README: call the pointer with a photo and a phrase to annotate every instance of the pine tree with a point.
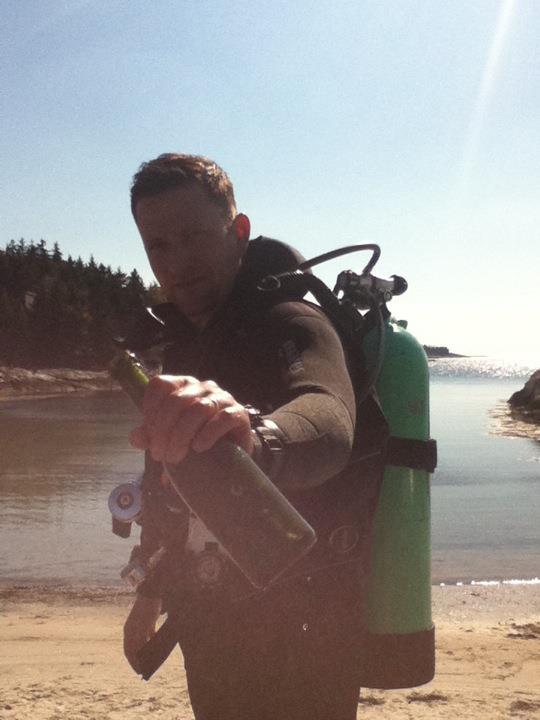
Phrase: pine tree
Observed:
(56, 312)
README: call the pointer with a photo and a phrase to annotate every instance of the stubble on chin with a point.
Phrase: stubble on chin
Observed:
(197, 310)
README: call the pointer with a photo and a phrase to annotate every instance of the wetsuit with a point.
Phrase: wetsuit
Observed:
(291, 652)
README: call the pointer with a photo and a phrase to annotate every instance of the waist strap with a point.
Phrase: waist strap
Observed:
(414, 454)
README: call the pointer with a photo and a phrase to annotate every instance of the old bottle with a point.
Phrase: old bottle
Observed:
(256, 525)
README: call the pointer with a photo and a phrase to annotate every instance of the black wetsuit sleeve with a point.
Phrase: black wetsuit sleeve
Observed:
(303, 386)
(316, 405)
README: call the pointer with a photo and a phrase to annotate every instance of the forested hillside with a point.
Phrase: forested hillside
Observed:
(62, 313)
(57, 312)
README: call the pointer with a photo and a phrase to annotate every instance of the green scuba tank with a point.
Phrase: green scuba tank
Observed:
(400, 644)
(400, 648)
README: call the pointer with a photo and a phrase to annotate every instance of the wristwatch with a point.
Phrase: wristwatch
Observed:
(269, 452)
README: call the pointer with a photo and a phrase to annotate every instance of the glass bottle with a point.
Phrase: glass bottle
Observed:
(256, 525)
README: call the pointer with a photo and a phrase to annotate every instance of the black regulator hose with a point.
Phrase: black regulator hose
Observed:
(375, 249)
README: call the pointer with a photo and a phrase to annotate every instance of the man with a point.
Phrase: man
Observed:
(291, 652)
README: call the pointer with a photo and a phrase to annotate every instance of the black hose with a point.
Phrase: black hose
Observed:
(376, 250)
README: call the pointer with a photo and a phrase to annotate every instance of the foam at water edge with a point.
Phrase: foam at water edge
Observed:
(494, 583)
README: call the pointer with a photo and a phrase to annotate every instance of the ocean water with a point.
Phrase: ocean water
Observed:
(485, 490)
(62, 456)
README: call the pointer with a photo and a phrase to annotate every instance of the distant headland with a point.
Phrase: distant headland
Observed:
(434, 351)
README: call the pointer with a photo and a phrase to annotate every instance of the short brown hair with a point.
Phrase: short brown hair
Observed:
(172, 170)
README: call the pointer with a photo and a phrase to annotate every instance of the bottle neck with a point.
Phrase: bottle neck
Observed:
(127, 371)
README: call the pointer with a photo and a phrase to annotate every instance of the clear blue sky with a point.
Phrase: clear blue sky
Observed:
(410, 123)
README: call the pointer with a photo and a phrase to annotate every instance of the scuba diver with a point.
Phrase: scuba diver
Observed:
(246, 358)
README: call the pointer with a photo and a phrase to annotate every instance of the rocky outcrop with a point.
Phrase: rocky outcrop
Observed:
(18, 382)
(528, 399)
(435, 351)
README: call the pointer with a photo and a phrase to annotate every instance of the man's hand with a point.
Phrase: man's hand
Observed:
(182, 413)
(139, 627)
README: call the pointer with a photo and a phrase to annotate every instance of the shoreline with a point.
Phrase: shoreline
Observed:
(450, 602)
(507, 421)
(75, 592)
(518, 599)
(21, 383)
(63, 658)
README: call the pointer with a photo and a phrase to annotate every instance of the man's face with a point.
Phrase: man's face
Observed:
(193, 249)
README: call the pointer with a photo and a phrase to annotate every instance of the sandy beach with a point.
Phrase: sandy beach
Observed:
(62, 658)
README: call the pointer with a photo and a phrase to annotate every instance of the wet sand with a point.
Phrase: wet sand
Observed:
(62, 658)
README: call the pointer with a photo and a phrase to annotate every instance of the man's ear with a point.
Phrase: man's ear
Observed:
(241, 227)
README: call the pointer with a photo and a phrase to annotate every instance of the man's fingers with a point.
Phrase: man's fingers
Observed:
(232, 422)
(174, 410)
(187, 427)
(159, 388)
(181, 412)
